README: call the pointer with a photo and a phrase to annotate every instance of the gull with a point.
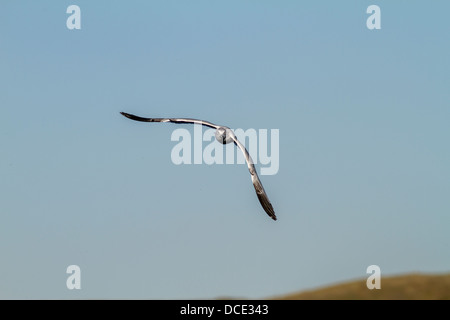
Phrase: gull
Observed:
(224, 135)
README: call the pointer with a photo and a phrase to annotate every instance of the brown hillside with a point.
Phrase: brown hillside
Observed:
(405, 287)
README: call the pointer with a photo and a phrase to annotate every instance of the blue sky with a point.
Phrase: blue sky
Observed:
(363, 115)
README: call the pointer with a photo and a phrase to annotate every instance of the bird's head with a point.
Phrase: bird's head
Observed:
(224, 135)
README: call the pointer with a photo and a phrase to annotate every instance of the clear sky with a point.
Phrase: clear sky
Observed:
(363, 117)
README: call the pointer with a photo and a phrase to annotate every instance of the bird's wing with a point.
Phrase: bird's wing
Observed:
(173, 120)
(260, 192)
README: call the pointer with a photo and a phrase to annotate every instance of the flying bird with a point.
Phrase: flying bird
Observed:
(224, 135)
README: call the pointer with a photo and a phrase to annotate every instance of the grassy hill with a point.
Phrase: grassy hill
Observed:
(404, 287)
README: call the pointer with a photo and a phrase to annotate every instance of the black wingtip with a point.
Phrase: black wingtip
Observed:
(272, 215)
(270, 212)
(136, 118)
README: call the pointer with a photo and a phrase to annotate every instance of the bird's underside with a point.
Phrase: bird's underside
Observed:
(260, 192)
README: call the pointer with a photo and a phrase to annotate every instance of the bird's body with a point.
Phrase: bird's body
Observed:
(223, 135)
